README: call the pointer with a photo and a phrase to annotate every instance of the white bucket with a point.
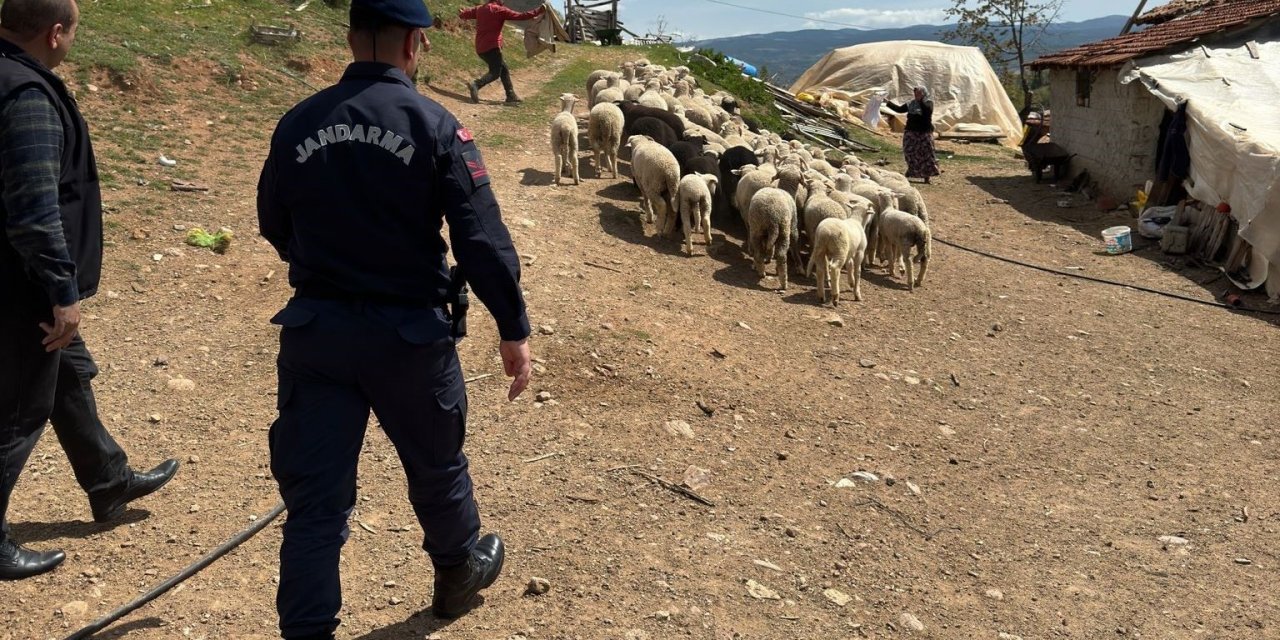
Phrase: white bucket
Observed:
(1118, 239)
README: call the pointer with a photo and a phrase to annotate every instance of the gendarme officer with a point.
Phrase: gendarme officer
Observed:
(353, 194)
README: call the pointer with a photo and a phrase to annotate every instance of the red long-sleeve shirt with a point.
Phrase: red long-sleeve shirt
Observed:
(489, 18)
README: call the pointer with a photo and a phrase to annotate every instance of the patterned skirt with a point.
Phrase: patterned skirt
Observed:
(917, 146)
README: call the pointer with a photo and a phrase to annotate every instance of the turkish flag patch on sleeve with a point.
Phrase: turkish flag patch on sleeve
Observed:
(464, 135)
(475, 167)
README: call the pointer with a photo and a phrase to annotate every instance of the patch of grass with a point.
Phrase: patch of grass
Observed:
(569, 79)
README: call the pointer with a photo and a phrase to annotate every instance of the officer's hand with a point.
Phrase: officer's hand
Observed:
(515, 361)
(66, 322)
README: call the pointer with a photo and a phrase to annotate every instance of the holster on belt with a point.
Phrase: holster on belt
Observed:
(459, 300)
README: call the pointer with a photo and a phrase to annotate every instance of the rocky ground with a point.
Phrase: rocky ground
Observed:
(1002, 453)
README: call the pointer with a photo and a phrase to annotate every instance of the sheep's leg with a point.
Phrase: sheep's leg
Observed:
(706, 226)
(924, 266)
(820, 278)
(559, 164)
(573, 160)
(646, 207)
(836, 272)
(906, 261)
(780, 262)
(688, 231)
(855, 274)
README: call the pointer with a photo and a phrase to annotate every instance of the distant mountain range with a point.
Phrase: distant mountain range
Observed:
(789, 53)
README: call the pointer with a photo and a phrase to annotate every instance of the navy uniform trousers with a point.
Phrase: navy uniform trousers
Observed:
(38, 387)
(339, 359)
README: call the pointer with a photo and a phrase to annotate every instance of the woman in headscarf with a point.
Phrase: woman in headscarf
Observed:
(917, 140)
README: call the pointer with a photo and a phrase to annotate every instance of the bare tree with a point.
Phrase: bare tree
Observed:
(1006, 31)
(660, 26)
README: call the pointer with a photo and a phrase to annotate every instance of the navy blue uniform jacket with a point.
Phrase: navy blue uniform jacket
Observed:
(354, 191)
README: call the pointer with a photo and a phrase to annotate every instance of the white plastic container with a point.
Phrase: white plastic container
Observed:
(1118, 239)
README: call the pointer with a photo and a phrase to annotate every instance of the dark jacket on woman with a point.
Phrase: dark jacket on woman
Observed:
(919, 114)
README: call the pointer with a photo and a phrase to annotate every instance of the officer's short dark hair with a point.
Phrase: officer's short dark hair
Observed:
(366, 20)
(29, 18)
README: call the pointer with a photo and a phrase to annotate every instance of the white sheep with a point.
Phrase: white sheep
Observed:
(898, 233)
(604, 132)
(753, 179)
(608, 95)
(658, 175)
(652, 98)
(769, 219)
(564, 138)
(693, 199)
(838, 248)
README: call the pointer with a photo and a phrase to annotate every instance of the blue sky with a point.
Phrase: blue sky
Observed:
(703, 19)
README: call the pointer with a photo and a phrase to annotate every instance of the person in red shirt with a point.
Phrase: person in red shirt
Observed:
(489, 18)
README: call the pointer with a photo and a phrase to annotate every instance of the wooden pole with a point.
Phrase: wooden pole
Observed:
(1136, 12)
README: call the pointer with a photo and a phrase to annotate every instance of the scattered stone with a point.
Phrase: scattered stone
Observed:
(662, 615)
(947, 430)
(761, 592)
(527, 223)
(890, 480)
(913, 488)
(696, 478)
(865, 476)
(139, 234)
(157, 257)
(182, 384)
(1173, 540)
(835, 321)
(193, 459)
(867, 363)
(1243, 561)
(678, 428)
(1007, 636)
(155, 418)
(138, 288)
(782, 455)
(766, 564)
(75, 608)
(547, 330)
(393, 601)
(845, 483)
(195, 508)
(389, 584)
(911, 380)
(705, 409)
(910, 622)
(93, 88)
(994, 594)
(543, 396)
(743, 325)
(791, 532)
(607, 326)
(537, 586)
(179, 227)
(840, 598)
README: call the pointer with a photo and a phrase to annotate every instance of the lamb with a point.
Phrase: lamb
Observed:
(694, 201)
(909, 198)
(734, 158)
(604, 132)
(708, 164)
(821, 206)
(651, 98)
(658, 176)
(838, 246)
(898, 233)
(768, 230)
(564, 139)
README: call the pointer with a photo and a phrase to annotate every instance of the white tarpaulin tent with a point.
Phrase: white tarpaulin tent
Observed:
(966, 94)
(1234, 133)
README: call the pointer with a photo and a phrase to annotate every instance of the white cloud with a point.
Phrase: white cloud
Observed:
(876, 18)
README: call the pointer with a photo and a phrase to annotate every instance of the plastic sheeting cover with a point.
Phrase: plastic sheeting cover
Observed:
(963, 86)
(1233, 127)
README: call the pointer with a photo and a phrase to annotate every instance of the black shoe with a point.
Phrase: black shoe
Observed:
(140, 484)
(513, 99)
(474, 91)
(456, 586)
(18, 562)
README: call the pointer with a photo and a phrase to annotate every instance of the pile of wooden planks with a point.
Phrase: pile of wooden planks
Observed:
(815, 123)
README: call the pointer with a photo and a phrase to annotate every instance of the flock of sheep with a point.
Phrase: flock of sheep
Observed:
(693, 157)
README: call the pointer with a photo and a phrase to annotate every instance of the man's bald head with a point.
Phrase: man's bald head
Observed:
(31, 18)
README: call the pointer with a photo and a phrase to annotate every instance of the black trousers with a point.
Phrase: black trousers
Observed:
(497, 69)
(338, 360)
(38, 387)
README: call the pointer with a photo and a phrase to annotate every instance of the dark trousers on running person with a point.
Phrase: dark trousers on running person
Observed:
(497, 70)
(339, 359)
(37, 387)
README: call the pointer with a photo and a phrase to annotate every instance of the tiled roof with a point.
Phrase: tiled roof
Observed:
(1174, 9)
(1223, 16)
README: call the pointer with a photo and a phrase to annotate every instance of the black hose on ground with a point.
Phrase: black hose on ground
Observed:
(190, 570)
(1168, 294)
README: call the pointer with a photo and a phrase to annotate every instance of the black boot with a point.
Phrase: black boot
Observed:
(457, 586)
(139, 484)
(512, 98)
(18, 562)
(474, 90)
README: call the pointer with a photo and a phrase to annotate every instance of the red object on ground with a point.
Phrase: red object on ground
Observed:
(1224, 207)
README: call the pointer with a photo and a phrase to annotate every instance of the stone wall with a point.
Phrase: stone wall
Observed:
(1114, 137)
